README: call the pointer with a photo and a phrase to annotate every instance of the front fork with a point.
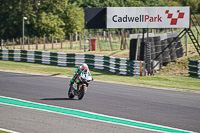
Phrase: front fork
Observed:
(86, 86)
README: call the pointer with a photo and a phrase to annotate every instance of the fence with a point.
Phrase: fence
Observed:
(114, 65)
(194, 68)
(106, 41)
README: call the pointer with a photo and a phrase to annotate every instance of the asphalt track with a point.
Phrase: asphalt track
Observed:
(178, 109)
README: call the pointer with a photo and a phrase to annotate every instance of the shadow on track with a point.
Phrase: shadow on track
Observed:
(57, 99)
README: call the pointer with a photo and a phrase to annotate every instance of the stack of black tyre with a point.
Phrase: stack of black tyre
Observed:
(162, 50)
(170, 53)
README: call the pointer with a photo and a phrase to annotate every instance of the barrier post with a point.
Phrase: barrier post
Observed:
(44, 43)
(1, 43)
(13, 43)
(28, 43)
(52, 41)
(80, 40)
(99, 41)
(110, 41)
(141, 68)
(61, 41)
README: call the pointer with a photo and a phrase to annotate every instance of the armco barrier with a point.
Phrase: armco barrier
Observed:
(194, 68)
(115, 65)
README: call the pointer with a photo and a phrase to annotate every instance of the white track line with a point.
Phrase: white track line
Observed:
(6, 130)
(92, 118)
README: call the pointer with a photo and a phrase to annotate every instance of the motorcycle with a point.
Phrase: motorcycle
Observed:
(80, 85)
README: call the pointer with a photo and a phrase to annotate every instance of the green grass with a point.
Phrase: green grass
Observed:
(175, 82)
(3, 131)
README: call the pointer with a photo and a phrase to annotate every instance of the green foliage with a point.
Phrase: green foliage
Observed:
(171, 3)
(74, 19)
(11, 16)
(135, 3)
(154, 2)
(194, 4)
(49, 24)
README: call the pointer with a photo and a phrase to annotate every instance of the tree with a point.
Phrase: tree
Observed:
(12, 12)
(172, 3)
(135, 3)
(49, 24)
(194, 4)
(153, 2)
(74, 19)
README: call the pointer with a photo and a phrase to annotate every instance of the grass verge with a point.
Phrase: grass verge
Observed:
(3, 131)
(175, 82)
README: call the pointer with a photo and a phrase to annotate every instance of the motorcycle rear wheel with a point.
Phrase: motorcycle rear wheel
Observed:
(70, 94)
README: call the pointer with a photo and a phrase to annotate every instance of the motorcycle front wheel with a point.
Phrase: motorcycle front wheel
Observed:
(81, 92)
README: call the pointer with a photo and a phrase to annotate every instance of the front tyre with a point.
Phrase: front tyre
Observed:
(81, 92)
(70, 94)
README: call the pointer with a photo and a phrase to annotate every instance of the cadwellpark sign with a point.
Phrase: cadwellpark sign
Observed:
(148, 17)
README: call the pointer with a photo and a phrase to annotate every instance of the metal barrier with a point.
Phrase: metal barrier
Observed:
(194, 68)
(114, 65)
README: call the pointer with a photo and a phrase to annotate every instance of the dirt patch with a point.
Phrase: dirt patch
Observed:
(177, 68)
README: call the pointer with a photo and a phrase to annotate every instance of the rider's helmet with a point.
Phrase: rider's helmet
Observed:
(84, 67)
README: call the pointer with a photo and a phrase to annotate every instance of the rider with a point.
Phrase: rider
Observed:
(84, 68)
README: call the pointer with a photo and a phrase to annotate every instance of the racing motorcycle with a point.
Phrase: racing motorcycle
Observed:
(79, 87)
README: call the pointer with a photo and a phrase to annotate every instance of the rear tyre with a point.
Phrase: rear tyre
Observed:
(70, 94)
(81, 92)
